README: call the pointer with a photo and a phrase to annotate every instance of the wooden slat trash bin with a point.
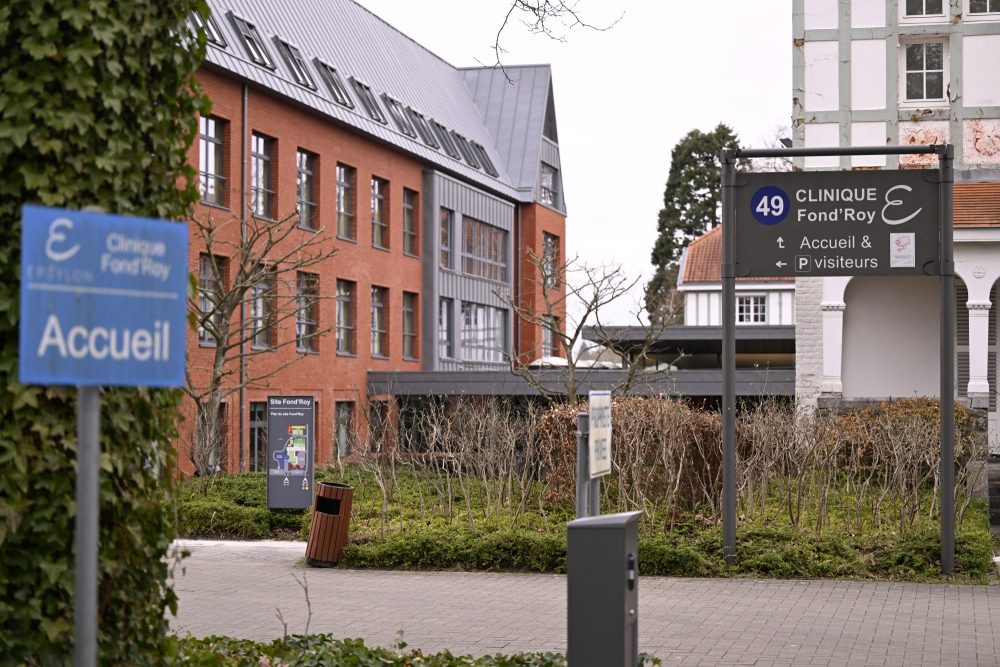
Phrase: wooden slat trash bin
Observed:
(330, 519)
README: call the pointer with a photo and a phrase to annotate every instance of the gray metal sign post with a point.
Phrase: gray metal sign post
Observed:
(87, 523)
(836, 209)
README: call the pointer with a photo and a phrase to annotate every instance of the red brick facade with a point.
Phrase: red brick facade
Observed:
(536, 221)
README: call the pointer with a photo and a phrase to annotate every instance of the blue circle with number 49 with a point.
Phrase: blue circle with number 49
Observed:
(769, 205)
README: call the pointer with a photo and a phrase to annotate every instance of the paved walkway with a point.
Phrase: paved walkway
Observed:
(237, 588)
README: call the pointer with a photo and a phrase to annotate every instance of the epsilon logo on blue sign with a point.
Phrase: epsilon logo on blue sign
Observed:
(769, 205)
(103, 299)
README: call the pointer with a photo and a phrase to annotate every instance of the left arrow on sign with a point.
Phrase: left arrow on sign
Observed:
(780, 264)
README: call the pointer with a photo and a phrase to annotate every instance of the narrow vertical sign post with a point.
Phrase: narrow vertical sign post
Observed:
(599, 447)
(290, 445)
(103, 302)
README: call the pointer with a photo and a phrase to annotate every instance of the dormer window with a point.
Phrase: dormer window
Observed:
(442, 134)
(423, 128)
(484, 158)
(252, 42)
(334, 83)
(549, 186)
(211, 28)
(296, 63)
(465, 149)
(398, 114)
(368, 101)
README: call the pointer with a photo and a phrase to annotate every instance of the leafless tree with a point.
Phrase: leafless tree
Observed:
(252, 278)
(573, 294)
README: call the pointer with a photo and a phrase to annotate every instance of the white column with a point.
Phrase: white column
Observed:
(979, 341)
(833, 346)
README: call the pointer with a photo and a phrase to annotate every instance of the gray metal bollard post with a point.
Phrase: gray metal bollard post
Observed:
(602, 575)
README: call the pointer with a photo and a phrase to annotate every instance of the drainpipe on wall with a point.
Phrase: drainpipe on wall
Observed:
(517, 287)
(243, 237)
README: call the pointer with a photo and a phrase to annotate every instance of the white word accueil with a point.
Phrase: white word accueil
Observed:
(101, 342)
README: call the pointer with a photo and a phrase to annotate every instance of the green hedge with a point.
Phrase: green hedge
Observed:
(97, 107)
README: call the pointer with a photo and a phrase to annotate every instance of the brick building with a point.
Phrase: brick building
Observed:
(432, 184)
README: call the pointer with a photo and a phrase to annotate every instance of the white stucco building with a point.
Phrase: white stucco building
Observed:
(888, 72)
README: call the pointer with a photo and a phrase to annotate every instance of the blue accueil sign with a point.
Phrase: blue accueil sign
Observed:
(103, 299)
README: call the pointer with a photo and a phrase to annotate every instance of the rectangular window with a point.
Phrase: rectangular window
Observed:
(261, 176)
(549, 185)
(422, 127)
(368, 101)
(297, 64)
(380, 223)
(446, 340)
(345, 316)
(258, 436)
(446, 142)
(380, 325)
(484, 333)
(252, 42)
(465, 149)
(550, 260)
(306, 312)
(549, 325)
(306, 189)
(344, 427)
(409, 325)
(262, 294)
(211, 161)
(346, 179)
(984, 6)
(447, 227)
(211, 273)
(334, 83)
(211, 28)
(399, 116)
(411, 235)
(484, 250)
(924, 7)
(925, 71)
(751, 309)
(484, 158)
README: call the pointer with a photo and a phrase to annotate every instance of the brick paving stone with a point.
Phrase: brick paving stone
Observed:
(239, 588)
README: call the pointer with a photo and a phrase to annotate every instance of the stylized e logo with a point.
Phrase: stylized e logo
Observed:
(897, 202)
(56, 235)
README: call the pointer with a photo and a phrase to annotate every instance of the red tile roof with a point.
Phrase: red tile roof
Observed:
(977, 205)
(703, 263)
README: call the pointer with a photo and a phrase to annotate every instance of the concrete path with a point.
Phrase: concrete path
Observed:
(237, 588)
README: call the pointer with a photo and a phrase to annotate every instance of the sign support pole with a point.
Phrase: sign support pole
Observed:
(87, 524)
(582, 470)
(728, 360)
(946, 167)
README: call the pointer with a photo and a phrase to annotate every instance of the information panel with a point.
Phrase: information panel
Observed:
(837, 223)
(291, 441)
(600, 433)
(103, 299)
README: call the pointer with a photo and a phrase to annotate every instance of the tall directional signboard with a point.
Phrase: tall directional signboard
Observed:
(291, 442)
(103, 299)
(837, 223)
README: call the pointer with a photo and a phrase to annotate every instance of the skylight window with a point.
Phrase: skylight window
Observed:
(334, 83)
(252, 42)
(399, 116)
(211, 28)
(484, 158)
(368, 100)
(442, 134)
(465, 149)
(296, 63)
(422, 127)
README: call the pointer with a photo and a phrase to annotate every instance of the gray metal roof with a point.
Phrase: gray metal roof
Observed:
(699, 339)
(513, 101)
(701, 383)
(359, 44)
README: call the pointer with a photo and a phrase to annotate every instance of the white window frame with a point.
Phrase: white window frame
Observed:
(752, 310)
(907, 19)
(968, 16)
(946, 64)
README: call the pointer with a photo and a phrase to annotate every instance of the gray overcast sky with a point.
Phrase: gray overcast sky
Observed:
(625, 96)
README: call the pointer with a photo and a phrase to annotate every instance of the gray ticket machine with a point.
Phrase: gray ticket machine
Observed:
(602, 566)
